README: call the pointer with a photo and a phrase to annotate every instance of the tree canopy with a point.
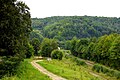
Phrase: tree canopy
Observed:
(66, 27)
(15, 27)
(104, 50)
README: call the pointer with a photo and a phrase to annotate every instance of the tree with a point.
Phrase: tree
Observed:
(36, 45)
(36, 34)
(98, 49)
(114, 52)
(65, 28)
(73, 45)
(90, 51)
(115, 49)
(81, 47)
(68, 45)
(29, 51)
(47, 46)
(15, 27)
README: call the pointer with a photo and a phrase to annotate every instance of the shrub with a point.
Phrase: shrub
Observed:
(67, 51)
(39, 53)
(117, 74)
(47, 46)
(80, 62)
(57, 54)
(105, 70)
(97, 67)
(9, 65)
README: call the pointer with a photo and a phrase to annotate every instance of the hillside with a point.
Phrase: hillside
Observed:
(68, 47)
(66, 27)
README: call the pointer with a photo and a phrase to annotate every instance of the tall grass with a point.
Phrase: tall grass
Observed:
(27, 72)
(78, 61)
(67, 69)
(106, 70)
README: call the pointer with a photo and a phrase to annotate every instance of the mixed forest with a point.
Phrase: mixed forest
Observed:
(65, 28)
(90, 38)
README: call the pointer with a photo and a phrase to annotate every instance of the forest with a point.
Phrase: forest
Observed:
(88, 37)
(67, 27)
(68, 40)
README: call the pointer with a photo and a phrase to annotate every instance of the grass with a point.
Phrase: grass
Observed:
(68, 70)
(78, 61)
(27, 72)
(110, 72)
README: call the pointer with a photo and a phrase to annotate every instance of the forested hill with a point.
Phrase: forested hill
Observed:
(66, 27)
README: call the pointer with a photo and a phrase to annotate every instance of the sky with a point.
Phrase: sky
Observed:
(48, 8)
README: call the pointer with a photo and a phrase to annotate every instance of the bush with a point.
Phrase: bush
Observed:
(80, 62)
(117, 74)
(67, 53)
(9, 65)
(39, 53)
(47, 46)
(57, 54)
(97, 68)
(105, 70)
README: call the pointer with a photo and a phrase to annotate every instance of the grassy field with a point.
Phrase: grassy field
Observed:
(67, 69)
(27, 72)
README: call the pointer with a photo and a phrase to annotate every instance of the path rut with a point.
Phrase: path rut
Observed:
(44, 71)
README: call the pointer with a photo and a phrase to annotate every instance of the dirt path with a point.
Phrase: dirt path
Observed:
(44, 71)
(90, 63)
(55, 77)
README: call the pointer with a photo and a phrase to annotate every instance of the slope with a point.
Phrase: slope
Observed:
(66, 27)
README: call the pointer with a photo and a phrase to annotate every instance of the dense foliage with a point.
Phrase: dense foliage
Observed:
(79, 62)
(36, 45)
(82, 35)
(65, 28)
(15, 27)
(30, 51)
(47, 46)
(27, 72)
(36, 34)
(92, 38)
(106, 70)
(57, 54)
(105, 49)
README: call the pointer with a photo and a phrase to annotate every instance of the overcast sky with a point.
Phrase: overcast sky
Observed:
(47, 8)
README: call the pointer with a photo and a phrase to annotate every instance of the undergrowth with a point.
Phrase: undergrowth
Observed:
(27, 72)
(110, 72)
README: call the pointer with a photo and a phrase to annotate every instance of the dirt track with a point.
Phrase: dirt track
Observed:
(55, 77)
(44, 71)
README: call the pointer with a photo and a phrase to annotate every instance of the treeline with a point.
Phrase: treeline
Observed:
(66, 27)
(104, 50)
(87, 37)
(15, 44)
